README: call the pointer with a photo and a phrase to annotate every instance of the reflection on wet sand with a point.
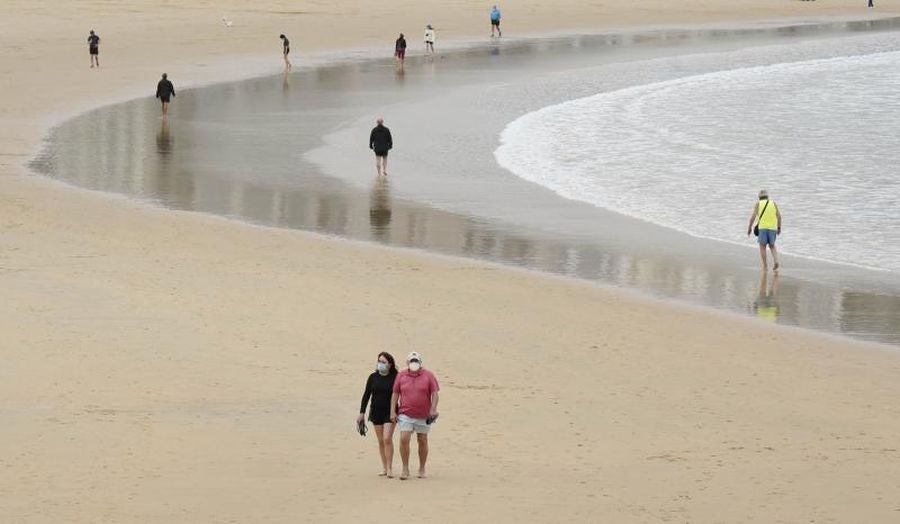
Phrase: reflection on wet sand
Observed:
(125, 149)
(766, 304)
(380, 208)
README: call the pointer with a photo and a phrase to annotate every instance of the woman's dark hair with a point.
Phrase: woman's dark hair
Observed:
(280, 36)
(392, 366)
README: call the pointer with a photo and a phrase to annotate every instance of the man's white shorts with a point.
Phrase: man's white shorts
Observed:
(412, 424)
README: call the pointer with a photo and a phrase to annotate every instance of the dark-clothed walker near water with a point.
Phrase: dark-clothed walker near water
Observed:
(400, 49)
(94, 49)
(381, 141)
(286, 50)
(164, 92)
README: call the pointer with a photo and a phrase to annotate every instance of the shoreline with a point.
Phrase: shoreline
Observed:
(352, 59)
(163, 366)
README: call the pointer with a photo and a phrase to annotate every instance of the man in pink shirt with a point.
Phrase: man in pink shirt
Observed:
(416, 393)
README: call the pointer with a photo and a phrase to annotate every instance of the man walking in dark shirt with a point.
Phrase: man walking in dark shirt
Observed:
(164, 91)
(94, 49)
(381, 142)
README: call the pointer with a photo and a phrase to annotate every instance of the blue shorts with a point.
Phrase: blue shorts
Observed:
(766, 237)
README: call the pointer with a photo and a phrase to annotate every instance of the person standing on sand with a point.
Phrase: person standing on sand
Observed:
(495, 22)
(429, 39)
(768, 223)
(400, 49)
(414, 408)
(381, 141)
(164, 91)
(380, 388)
(94, 49)
(286, 49)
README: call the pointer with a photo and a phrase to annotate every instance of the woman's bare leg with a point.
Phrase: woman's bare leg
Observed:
(389, 449)
(379, 432)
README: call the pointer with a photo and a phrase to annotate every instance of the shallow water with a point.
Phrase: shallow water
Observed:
(820, 134)
(290, 152)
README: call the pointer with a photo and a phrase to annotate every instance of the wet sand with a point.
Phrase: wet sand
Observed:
(167, 366)
(254, 150)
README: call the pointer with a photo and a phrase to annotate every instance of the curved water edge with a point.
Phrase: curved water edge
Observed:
(817, 133)
(286, 151)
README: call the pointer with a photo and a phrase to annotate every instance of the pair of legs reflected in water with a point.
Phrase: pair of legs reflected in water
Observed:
(766, 304)
(380, 208)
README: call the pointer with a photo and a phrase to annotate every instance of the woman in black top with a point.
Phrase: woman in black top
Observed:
(380, 387)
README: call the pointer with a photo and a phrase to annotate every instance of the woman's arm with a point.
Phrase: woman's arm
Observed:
(367, 394)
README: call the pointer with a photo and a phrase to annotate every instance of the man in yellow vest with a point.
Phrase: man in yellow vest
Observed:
(768, 220)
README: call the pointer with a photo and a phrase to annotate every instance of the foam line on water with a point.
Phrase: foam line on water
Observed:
(687, 153)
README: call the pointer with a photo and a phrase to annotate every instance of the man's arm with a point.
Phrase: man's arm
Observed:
(394, 398)
(390, 140)
(434, 404)
(372, 140)
(752, 218)
(778, 216)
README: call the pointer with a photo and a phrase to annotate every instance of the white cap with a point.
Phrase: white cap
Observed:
(413, 356)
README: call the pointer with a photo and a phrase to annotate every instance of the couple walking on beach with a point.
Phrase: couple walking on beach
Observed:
(408, 399)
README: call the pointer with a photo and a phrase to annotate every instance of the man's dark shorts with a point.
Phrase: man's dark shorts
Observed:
(495, 22)
(381, 153)
(95, 50)
(164, 99)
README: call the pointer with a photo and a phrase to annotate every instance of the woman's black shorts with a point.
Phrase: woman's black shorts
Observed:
(380, 153)
(379, 419)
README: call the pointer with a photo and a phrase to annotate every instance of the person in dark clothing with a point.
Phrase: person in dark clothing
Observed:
(286, 44)
(94, 49)
(379, 388)
(164, 91)
(381, 142)
(400, 48)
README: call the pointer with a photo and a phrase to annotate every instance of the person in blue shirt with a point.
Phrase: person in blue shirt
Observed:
(495, 22)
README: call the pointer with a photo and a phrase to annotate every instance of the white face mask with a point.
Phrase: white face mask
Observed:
(414, 366)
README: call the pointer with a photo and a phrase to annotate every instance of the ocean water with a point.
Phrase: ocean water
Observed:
(691, 153)
(678, 128)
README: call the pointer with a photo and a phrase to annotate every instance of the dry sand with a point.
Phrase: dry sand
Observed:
(169, 367)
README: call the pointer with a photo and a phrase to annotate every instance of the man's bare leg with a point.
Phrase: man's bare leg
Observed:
(389, 449)
(405, 436)
(422, 439)
(378, 165)
(384, 165)
(165, 108)
(762, 256)
(774, 257)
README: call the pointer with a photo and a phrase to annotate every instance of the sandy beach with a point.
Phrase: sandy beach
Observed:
(164, 366)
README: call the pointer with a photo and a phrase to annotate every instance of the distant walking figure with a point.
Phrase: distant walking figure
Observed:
(400, 48)
(768, 226)
(495, 22)
(94, 49)
(286, 44)
(164, 91)
(871, 3)
(429, 39)
(381, 142)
